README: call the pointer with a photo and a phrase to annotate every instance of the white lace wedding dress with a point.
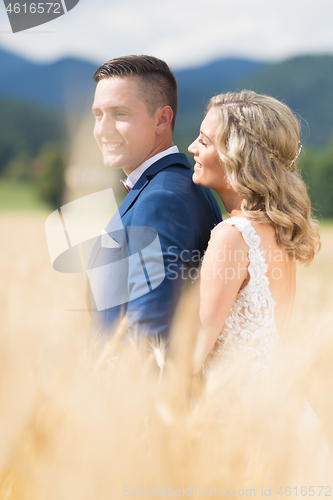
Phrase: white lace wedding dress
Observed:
(250, 333)
(250, 329)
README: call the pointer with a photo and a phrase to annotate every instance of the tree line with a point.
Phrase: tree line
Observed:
(33, 147)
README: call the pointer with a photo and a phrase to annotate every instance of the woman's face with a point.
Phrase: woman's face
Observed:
(208, 169)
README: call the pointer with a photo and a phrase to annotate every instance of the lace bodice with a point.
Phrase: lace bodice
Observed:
(250, 327)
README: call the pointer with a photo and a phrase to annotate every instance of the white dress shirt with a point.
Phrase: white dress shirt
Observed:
(136, 174)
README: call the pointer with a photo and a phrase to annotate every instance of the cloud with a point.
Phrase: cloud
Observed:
(183, 32)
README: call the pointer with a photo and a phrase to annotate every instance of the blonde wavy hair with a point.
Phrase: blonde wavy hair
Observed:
(258, 141)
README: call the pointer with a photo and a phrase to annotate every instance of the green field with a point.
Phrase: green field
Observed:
(20, 196)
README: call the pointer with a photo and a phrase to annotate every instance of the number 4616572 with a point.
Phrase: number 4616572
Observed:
(305, 491)
(34, 8)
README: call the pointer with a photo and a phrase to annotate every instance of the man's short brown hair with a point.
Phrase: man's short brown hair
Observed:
(157, 84)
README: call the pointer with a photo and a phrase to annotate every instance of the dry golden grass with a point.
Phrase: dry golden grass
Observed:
(78, 422)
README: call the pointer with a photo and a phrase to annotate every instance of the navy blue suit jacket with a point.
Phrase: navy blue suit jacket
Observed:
(164, 202)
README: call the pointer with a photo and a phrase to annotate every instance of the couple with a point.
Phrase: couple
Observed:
(246, 152)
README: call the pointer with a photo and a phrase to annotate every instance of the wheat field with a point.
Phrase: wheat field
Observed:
(81, 422)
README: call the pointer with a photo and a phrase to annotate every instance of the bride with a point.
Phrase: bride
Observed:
(246, 152)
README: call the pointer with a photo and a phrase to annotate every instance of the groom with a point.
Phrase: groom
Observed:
(135, 108)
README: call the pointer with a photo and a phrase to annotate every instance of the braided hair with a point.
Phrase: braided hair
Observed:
(258, 143)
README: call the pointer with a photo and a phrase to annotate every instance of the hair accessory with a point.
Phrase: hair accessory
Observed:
(297, 154)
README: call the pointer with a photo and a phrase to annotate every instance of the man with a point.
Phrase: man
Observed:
(135, 108)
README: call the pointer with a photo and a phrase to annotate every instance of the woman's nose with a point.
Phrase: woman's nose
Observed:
(192, 147)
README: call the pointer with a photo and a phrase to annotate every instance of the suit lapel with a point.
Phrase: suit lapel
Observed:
(132, 195)
(115, 223)
(165, 162)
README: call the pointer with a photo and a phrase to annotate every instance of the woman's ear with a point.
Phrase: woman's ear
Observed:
(164, 119)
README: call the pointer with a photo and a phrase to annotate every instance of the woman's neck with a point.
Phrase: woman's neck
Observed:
(232, 202)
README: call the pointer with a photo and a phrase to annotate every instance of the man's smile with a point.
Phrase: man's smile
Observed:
(110, 146)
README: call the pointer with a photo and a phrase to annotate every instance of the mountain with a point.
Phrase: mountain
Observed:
(10, 63)
(305, 83)
(70, 80)
(64, 83)
(200, 83)
(197, 85)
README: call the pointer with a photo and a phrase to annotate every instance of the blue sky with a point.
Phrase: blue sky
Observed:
(185, 33)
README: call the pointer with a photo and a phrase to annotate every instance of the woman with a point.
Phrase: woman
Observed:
(246, 152)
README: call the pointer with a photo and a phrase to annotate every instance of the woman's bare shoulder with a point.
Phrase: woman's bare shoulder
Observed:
(223, 232)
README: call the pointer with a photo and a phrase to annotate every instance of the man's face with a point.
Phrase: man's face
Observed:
(124, 130)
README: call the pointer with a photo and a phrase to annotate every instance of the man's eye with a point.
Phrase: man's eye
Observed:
(119, 114)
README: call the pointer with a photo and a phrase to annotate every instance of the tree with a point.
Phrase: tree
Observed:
(318, 174)
(49, 174)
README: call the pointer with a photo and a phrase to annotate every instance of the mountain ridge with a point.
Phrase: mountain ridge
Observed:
(66, 85)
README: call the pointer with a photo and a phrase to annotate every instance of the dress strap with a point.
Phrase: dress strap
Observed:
(244, 226)
(257, 265)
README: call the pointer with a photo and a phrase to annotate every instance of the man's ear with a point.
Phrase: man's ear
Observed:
(164, 119)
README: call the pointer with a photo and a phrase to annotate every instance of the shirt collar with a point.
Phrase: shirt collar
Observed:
(136, 174)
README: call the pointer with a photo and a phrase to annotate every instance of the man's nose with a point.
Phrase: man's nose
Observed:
(107, 125)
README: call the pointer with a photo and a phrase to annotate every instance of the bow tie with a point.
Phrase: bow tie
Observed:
(127, 188)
